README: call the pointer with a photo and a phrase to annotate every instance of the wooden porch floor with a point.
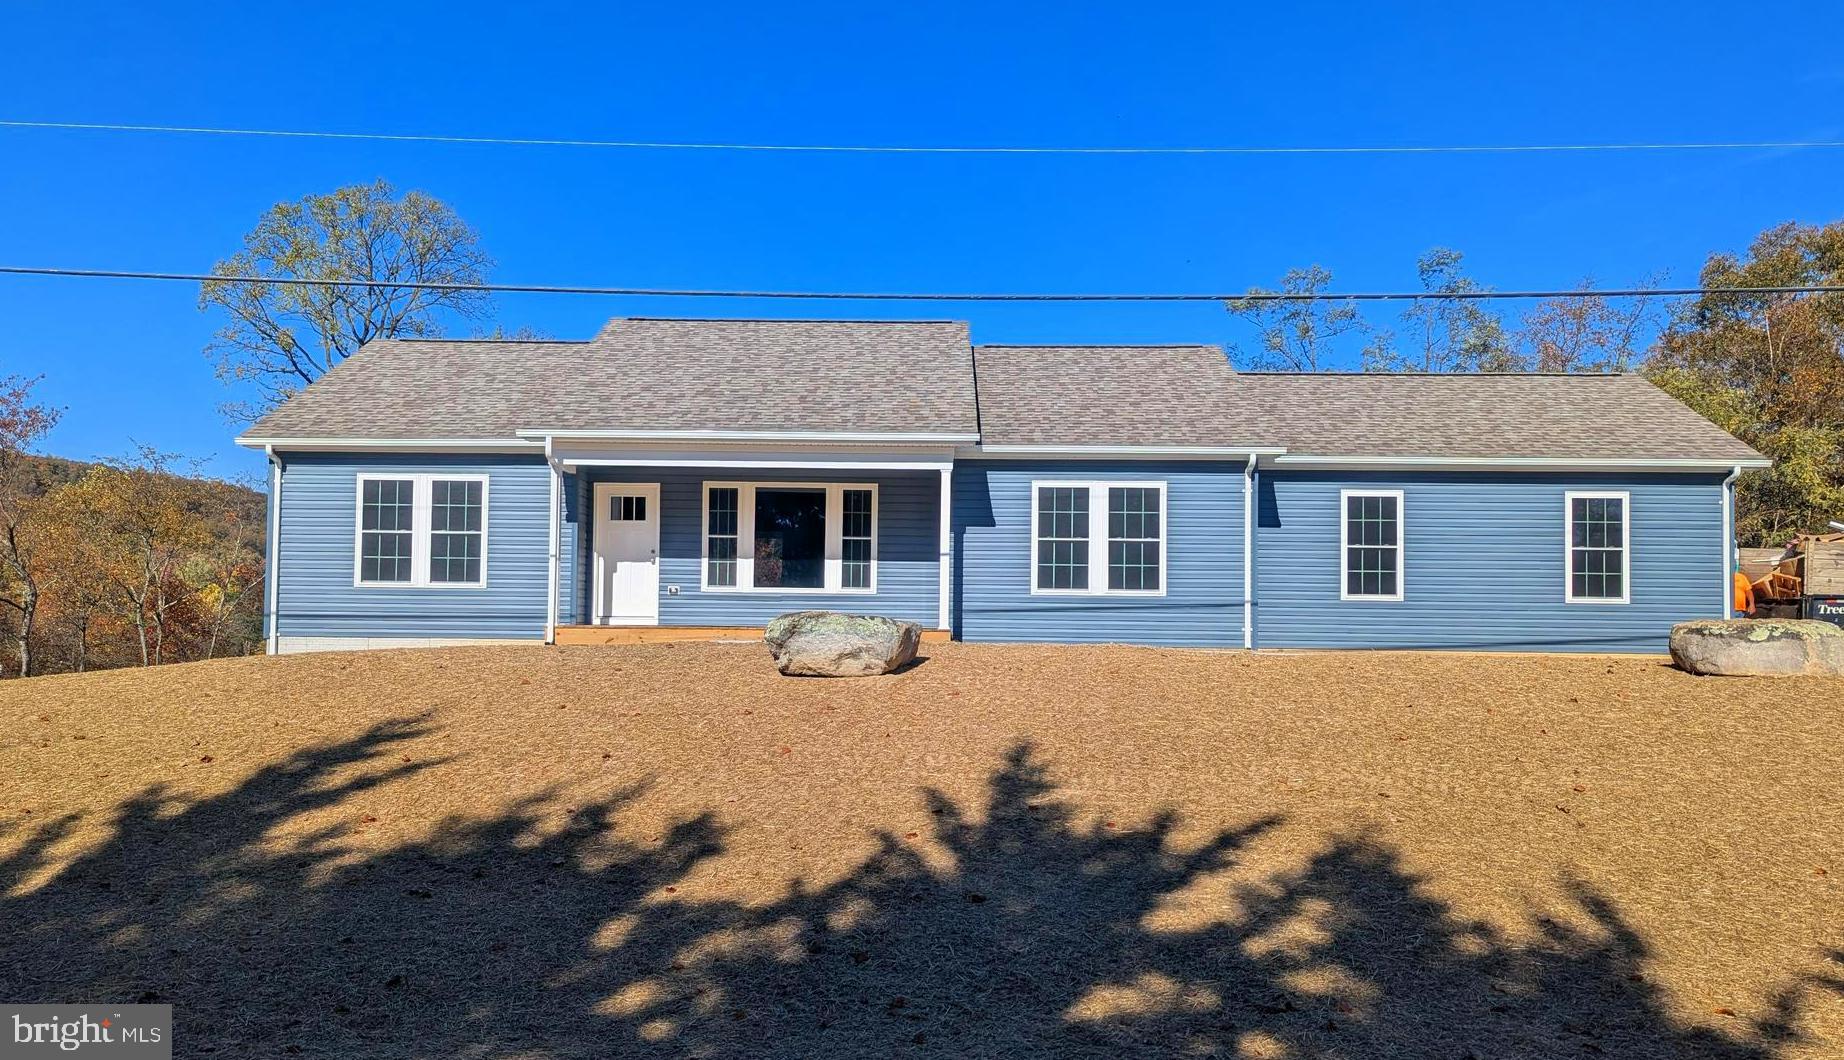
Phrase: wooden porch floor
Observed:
(579, 635)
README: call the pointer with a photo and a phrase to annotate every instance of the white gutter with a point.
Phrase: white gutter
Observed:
(1248, 551)
(1238, 453)
(1728, 543)
(251, 441)
(556, 535)
(272, 612)
(1529, 462)
(857, 437)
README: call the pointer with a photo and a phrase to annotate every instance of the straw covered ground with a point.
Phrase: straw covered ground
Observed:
(670, 850)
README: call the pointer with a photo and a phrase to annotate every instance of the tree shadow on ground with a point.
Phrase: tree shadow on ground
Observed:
(1019, 931)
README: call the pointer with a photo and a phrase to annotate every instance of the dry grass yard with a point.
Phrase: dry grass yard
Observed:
(669, 850)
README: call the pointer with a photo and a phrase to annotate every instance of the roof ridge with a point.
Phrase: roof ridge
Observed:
(792, 320)
(1098, 345)
(527, 342)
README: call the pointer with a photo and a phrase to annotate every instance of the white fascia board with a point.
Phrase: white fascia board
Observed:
(1125, 452)
(789, 437)
(421, 445)
(1525, 463)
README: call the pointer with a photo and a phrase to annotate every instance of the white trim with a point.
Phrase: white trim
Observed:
(1248, 553)
(1098, 535)
(1344, 547)
(797, 437)
(574, 462)
(833, 570)
(1128, 452)
(1546, 463)
(420, 529)
(270, 591)
(1728, 543)
(421, 445)
(945, 617)
(1569, 497)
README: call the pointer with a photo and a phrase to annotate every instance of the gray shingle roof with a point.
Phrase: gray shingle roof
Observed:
(645, 374)
(918, 378)
(1552, 416)
(1111, 395)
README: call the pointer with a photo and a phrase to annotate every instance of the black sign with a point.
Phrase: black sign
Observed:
(1826, 609)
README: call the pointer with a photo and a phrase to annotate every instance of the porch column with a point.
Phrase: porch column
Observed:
(550, 603)
(947, 548)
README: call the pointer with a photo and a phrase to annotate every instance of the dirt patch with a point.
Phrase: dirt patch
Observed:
(671, 850)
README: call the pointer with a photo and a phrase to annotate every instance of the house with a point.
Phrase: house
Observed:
(715, 473)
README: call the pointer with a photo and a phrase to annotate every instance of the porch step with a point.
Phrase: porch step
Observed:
(579, 635)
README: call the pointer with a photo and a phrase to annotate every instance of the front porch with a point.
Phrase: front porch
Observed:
(711, 544)
(568, 636)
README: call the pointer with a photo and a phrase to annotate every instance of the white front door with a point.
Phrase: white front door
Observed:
(626, 554)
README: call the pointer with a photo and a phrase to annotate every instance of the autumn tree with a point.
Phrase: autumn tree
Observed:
(1587, 332)
(1769, 368)
(23, 422)
(135, 524)
(1442, 332)
(282, 337)
(1300, 335)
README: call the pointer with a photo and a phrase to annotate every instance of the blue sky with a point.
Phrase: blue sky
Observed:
(125, 358)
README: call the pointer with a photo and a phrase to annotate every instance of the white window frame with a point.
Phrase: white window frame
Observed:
(1569, 497)
(1098, 535)
(421, 493)
(1344, 547)
(746, 532)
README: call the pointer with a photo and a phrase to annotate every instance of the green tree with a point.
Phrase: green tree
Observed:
(282, 337)
(1296, 336)
(1769, 368)
(1442, 333)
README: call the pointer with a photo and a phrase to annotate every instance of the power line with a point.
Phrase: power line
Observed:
(671, 145)
(917, 296)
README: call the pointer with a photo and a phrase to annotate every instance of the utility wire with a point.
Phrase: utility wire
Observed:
(670, 145)
(916, 296)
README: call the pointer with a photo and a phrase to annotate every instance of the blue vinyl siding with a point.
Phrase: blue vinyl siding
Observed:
(908, 561)
(317, 597)
(993, 557)
(1484, 562)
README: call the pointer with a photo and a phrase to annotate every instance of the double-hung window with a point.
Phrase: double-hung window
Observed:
(1370, 544)
(810, 537)
(1098, 538)
(1597, 545)
(421, 531)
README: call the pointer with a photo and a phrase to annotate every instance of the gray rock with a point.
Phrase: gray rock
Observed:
(1746, 647)
(832, 644)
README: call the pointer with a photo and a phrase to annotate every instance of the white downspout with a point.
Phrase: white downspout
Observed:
(1248, 553)
(1728, 543)
(550, 597)
(945, 617)
(275, 550)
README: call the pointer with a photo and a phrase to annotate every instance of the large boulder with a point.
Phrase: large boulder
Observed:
(832, 644)
(1771, 647)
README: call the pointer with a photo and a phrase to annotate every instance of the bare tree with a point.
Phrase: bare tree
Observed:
(22, 423)
(1588, 333)
(1443, 333)
(1297, 336)
(284, 336)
